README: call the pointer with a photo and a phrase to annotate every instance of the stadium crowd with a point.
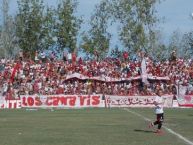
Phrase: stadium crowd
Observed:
(49, 76)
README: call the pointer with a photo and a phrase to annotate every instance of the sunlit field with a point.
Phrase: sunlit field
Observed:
(92, 127)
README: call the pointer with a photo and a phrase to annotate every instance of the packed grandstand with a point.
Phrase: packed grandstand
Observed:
(109, 76)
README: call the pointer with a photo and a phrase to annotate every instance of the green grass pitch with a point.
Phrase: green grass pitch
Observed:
(91, 127)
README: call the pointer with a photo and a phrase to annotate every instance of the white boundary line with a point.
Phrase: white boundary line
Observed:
(168, 129)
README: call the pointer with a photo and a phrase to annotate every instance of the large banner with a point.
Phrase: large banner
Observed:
(62, 101)
(109, 79)
(135, 101)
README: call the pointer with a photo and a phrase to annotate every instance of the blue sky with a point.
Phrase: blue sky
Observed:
(176, 14)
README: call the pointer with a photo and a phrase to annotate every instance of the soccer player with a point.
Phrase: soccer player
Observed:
(158, 102)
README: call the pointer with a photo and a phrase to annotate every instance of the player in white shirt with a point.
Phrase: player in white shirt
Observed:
(159, 103)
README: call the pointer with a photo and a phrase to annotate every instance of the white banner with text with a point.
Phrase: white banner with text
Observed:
(136, 101)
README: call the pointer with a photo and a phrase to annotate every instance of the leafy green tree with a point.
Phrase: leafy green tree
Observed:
(97, 39)
(67, 25)
(47, 38)
(137, 19)
(29, 26)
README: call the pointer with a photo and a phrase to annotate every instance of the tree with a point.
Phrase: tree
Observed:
(175, 41)
(158, 50)
(187, 45)
(137, 21)
(182, 44)
(47, 38)
(97, 39)
(8, 47)
(67, 25)
(29, 26)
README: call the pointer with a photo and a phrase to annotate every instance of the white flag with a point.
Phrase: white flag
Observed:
(144, 71)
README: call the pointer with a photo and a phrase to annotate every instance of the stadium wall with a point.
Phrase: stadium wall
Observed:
(90, 101)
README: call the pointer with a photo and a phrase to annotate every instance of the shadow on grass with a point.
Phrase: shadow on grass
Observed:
(144, 131)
